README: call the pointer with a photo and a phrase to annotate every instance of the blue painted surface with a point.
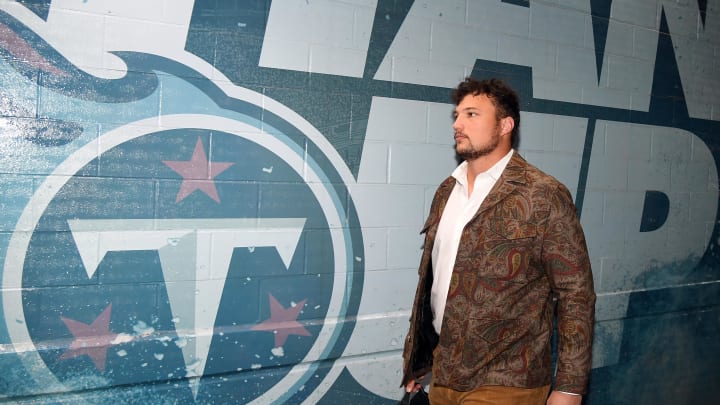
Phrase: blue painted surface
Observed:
(58, 167)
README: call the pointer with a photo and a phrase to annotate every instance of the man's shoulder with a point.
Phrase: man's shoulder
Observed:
(536, 177)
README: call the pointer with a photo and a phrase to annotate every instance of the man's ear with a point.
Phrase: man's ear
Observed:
(506, 125)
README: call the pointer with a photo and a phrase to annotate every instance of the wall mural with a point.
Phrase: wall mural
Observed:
(219, 201)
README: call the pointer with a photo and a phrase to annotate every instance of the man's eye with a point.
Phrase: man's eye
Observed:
(472, 114)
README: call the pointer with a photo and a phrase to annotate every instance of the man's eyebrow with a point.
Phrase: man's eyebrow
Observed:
(455, 112)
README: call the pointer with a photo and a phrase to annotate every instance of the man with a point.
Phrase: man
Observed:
(503, 247)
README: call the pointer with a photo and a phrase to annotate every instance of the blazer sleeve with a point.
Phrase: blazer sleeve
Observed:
(566, 261)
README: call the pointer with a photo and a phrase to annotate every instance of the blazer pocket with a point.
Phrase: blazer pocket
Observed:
(486, 338)
(507, 255)
(495, 330)
(509, 229)
(518, 230)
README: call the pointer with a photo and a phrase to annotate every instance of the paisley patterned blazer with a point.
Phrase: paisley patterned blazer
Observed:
(520, 256)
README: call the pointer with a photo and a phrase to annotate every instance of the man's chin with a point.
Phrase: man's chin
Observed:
(464, 152)
(469, 155)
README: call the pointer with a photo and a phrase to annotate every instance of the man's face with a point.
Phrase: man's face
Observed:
(477, 129)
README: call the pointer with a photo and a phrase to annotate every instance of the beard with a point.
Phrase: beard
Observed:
(472, 152)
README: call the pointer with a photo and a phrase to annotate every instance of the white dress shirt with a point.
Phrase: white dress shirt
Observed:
(459, 210)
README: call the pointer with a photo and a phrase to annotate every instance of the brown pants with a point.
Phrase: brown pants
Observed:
(489, 395)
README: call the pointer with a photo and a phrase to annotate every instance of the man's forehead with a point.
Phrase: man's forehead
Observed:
(474, 101)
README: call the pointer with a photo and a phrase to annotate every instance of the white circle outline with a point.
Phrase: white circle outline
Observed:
(14, 262)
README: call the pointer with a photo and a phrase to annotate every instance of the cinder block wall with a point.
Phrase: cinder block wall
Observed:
(220, 201)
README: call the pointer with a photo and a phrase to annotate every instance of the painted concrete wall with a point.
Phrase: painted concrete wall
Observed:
(218, 201)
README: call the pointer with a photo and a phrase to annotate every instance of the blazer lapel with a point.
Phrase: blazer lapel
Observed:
(440, 200)
(444, 194)
(512, 176)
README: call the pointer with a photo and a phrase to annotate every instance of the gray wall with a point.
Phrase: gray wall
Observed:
(219, 201)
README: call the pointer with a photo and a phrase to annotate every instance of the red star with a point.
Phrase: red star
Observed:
(92, 339)
(197, 173)
(283, 322)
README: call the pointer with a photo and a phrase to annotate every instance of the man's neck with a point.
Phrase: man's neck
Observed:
(483, 164)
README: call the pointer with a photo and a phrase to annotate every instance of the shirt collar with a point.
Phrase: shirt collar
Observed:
(460, 173)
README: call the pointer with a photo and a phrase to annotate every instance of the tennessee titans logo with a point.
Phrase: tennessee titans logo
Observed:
(217, 254)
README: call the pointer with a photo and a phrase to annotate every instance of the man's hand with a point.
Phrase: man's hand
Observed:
(413, 385)
(561, 398)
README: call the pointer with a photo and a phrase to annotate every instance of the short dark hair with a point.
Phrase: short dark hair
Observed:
(503, 97)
